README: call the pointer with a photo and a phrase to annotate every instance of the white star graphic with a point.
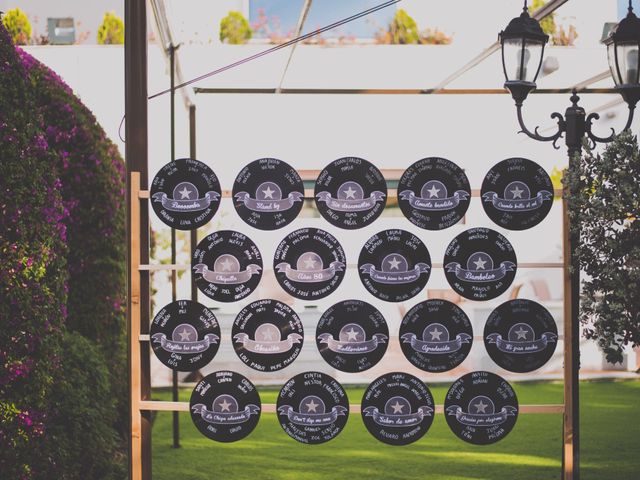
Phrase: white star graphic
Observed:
(435, 334)
(312, 406)
(351, 193)
(352, 335)
(394, 262)
(184, 193)
(397, 407)
(185, 335)
(267, 335)
(522, 333)
(268, 193)
(481, 407)
(517, 192)
(309, 262)
(480, 263)
(226, 265)
(433, 191)
(224, 405)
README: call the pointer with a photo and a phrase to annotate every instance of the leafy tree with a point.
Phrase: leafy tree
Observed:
(403, 29)
(605, 208)
(111, 30)
(17, 24)
(559, 36)
(235, 29)
(548, 23)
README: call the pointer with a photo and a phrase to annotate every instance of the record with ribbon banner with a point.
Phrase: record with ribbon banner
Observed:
(225, 406)
(517, 193)
(268, 194)
(309, 263)
(397, 408)
(436, 335)
(226, 266)
(185, 335)
(520, 335)
(394, 265)
(267, 335)
(481, 408)
(350, 193)
(434, 193)
(185, 194)
(312, 408)
(480, 264)
(352, 336)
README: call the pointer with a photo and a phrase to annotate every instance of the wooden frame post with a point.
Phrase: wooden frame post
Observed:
(136, 152)
(567, 420)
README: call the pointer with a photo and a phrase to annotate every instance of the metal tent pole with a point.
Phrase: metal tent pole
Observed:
(174, 275)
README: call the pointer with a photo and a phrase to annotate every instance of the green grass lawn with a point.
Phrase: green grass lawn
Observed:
(610, 439)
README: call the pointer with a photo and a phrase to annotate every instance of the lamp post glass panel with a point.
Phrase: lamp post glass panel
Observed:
(523, 44)
(623, 51)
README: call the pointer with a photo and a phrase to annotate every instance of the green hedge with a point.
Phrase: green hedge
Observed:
(82, 415)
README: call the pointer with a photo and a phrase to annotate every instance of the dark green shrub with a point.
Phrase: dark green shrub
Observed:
(235, 29)
(82, 415)
(606, 209)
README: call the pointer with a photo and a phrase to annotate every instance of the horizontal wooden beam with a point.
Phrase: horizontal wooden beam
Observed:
(391, 193)
(145, 337)
(180, 267)
(393, 91)
(354, 408)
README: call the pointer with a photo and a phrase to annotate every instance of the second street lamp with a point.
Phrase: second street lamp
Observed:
(523, 43)
(623, 50)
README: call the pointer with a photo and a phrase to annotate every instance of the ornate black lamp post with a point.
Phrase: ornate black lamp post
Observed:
(523, 43)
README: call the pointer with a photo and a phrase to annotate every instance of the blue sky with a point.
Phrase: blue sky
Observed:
(324, 12)
(623, 5)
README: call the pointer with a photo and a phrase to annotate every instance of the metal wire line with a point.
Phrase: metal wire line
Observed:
(279, 47)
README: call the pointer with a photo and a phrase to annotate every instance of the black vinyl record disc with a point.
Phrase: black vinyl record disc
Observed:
(434, 193)
(268, 194)
(267, 335)
(517, 194)
(312, 408)
(185, 335)
(397, 408)
(185, 194)
(350, 193)
(352, 336)
(309, 263)
(226, 266)
(436, 336)
(481, 408)
(225, 406)
(394, 265)
(480, 264)
(520, 335)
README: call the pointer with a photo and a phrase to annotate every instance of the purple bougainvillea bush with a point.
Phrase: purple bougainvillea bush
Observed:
(62, 281)
(33, 273)
(91, 171)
